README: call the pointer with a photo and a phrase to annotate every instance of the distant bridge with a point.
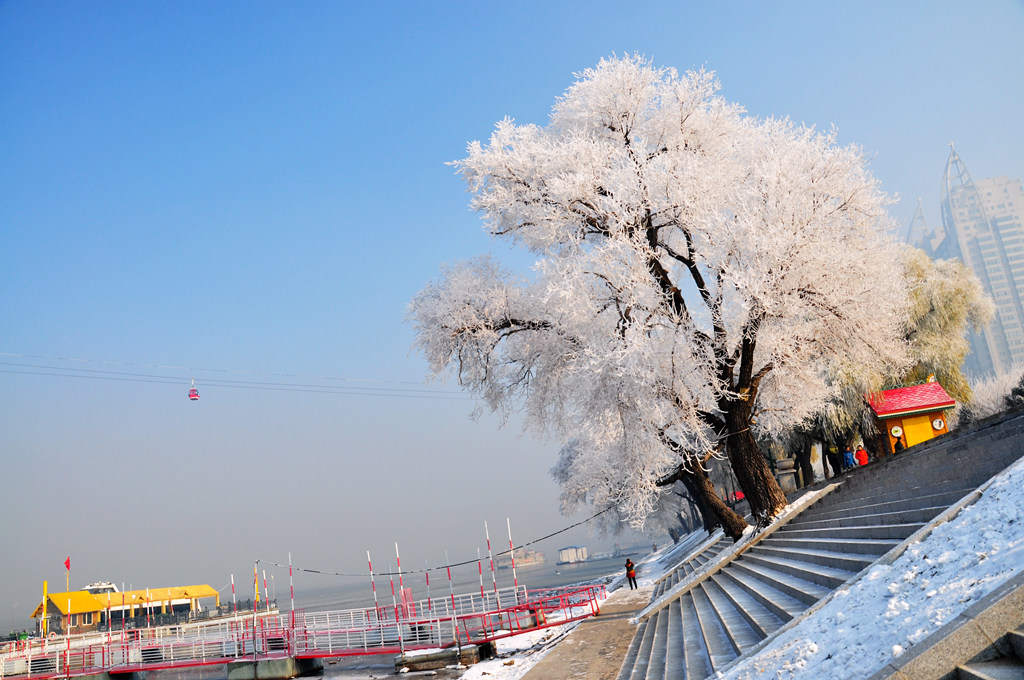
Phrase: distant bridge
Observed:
(450, 622)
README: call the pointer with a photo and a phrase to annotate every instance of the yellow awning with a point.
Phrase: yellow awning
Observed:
(83, 602)
(75, 602)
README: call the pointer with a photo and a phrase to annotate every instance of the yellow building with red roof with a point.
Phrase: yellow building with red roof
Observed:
(912, 414)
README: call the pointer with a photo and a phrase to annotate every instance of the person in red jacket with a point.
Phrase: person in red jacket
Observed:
(631, 573)
(861, 455)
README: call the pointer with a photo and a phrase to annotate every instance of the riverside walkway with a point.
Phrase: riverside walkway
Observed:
(594, 650)
(448, 622)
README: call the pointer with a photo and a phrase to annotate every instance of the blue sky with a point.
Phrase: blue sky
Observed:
(254, 191)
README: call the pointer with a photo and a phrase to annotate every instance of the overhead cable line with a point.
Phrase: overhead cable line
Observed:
(126, 376)
(193, 370)
(440, 567)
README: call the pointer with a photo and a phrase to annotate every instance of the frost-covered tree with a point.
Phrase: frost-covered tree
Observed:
(698, 272)
(994, 394)
(946, 299)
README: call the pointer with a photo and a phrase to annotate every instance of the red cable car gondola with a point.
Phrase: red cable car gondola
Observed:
(193, 393)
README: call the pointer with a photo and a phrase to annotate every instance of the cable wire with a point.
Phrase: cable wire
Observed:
(126, 376)
(438, 568)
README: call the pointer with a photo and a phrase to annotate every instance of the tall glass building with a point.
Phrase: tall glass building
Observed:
(983, 225)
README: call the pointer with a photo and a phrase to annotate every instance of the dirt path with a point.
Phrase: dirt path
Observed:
(595, 649)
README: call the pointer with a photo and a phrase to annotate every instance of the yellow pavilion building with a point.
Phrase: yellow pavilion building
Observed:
(82, 611)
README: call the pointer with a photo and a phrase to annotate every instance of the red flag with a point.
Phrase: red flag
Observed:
(67, 563)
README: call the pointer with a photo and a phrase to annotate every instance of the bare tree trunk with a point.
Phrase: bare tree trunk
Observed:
(803, 458)
(700, 487)
(729, 487)
(752, 472)
(685, 522)
(831, 459)
(695, 516)
(882, 448)
(709, 520)
(837, 458)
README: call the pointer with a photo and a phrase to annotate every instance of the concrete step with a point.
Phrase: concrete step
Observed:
(716, 639)
(1015, 638)
(647, 649)
(866, 515)
(629, 661)
(779, 604)
(667, 583)
(1000, 669)
(942, 499)
(709, 554)
(864, 546)
(979, 470)
(851, 562)
(685, 569)
(656, 663)
(675, 658)
(900, 482)
(684, 547)
(762, 621)
(779, 578)
(676, 654)
(872, 531)
(739, 631)
(822, 575)
(698, 661)
(890, 491)
(924, 470)
(795, 587)
(683, 550)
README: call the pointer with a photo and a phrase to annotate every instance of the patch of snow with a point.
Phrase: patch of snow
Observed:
(516, 655)
(413, 653)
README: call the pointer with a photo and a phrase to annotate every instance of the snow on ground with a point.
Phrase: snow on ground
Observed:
(878, 617)
(516, 655)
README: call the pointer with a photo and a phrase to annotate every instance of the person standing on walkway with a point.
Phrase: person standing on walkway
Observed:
(861, 455)
(631, 573)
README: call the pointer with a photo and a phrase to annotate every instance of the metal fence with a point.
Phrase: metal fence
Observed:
(430, 623)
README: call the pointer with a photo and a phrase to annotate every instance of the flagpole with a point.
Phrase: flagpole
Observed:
(43, 623)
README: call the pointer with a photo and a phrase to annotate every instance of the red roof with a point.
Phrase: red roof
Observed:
(914, 399)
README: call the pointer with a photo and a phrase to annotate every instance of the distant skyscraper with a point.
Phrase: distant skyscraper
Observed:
(983, 225)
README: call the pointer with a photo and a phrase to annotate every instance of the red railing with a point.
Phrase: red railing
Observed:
(312, 635)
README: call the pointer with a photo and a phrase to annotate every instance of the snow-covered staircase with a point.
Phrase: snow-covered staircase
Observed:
(722, 611)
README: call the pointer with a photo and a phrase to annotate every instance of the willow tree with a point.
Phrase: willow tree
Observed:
(697, 271)
(947, 300)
